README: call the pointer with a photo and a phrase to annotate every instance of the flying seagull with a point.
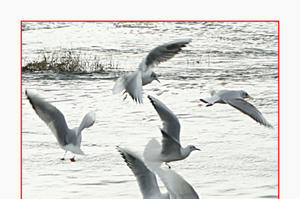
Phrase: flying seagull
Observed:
(171, 149)
(146, 179)
(132, 83)
(68, 139)
(235, 98)
(177, 187)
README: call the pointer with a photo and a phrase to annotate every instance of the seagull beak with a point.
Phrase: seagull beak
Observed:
(197, 149)
(250, 97)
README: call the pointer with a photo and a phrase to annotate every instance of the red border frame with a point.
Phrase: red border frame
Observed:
(278, 103)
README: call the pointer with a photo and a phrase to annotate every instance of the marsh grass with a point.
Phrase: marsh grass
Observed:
(69, 61)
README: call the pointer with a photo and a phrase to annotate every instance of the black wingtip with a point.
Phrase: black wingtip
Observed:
(163, 132)
(151, 99)
(26, 93)
(202, 100)
(269, 126)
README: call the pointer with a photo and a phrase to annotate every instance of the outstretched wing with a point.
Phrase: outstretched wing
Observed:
(169, 144)
(132, 83)
(146, 179)
(163, 53)
(51, 116)
(175, 184)
(88, 121)
(248, 109)
(133, 86)
(171, 125)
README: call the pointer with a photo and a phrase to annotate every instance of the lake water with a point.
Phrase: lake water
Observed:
(238, 157)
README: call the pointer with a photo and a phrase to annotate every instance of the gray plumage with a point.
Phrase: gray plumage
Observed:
(171, 149)
(68, 139)
(178, 188)
(132, 83)
(236, 99)
(146, 179)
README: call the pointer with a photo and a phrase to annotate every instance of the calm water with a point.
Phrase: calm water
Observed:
(238, 157)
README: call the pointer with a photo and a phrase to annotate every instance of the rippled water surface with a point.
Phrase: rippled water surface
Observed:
(238, 157)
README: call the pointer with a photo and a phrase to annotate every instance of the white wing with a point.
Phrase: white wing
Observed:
(248, 109)
(88, 121)
(119, 85)
(175, 184)
(51, 116)
(152, 153)
(133, 86)
(132, 83)
(163, 53)
(146, 179)
(171, 123)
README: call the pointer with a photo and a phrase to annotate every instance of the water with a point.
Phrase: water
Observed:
(238, 157)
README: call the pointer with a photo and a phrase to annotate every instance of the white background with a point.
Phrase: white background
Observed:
(12, 12)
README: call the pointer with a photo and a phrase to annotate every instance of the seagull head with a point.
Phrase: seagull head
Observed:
(193, 148)
(188, 149)
(154, 76)
(244, 94)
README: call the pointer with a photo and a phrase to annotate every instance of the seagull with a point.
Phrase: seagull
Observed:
(132, 83)
(171, 149)
(146, 179)
(68, 139)
(235, 98)
(177, 187)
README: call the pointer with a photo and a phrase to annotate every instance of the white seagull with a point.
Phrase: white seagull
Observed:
(171, 149)
(68, 139)
(175, 184)
(146, 179)
(177, 187)
(132, 83)
(235, 98)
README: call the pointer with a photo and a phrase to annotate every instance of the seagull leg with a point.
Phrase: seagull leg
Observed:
(73, 159)
(168, 165)
(63, 158)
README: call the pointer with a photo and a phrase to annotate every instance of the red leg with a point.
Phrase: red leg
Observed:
(73, 159)
(63, 158)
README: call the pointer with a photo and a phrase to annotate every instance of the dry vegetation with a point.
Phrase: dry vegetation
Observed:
(68, 61)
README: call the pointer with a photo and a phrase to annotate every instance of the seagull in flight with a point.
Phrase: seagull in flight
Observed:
(132, 83)
(177, 187)
(68, 139)
(171, 149)
(236, 99)
(146, 178)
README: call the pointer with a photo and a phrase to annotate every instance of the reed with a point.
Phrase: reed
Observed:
(69, 61)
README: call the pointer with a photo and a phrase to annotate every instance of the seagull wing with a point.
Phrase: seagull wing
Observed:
(169, 144)
(248, 109)
(146, 179)
(51, 116)
(88, 121)
(171, 125)
(133, 86)
(176, 185)
(119, 85)
(163, 53)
